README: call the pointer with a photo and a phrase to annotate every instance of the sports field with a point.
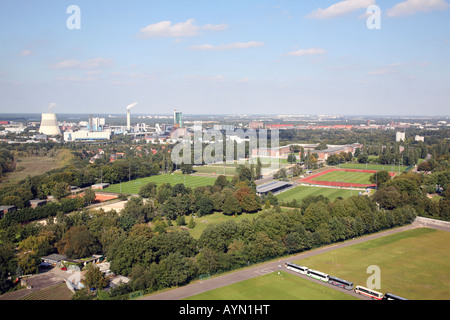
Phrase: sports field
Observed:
(414, 264)
(133, 186)
(273, 286)
(345, 176)
(377, 167)
(301, 192)
(342, 178)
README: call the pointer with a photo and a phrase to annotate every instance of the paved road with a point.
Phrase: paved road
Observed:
(248, 273)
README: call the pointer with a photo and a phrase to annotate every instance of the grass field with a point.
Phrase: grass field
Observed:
(216, 169)
(301, 192)
(346, 177)
(273, 286)
(134, 185)
(377, 167)
(414, 264)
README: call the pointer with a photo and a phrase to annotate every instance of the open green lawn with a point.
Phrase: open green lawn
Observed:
(414, 264)
(133, 186)
(377, 167)
(345, 176)
(274, 286)
(301, 192)
(230, 168)
(216, 169)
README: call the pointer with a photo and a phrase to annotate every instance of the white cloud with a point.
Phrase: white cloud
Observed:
(229, 46)
(88, 64)
(181, 29)
(398, 67)
(217, 78)
(340, 8)
(26, 53)
(410, 7)
(75, 79)
(305, 52)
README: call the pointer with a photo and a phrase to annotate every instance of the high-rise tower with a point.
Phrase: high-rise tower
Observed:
(177, 121)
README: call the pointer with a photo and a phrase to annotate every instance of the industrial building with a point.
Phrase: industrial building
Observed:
(86, 135)
(49, 125)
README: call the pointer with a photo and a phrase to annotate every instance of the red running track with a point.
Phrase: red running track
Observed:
(339, 184)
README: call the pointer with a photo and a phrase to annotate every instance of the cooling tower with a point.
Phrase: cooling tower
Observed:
(49, 125)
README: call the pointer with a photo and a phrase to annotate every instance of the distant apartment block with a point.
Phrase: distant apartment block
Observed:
(399, 136)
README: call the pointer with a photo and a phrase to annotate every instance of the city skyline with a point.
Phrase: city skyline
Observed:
(266, 57)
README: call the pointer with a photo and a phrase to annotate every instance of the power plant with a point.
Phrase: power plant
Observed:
(128, 115)
(49, 125)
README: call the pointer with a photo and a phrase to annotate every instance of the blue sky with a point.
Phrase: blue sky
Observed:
(244, 57)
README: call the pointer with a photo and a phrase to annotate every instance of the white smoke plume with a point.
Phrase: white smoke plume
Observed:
(131, 105)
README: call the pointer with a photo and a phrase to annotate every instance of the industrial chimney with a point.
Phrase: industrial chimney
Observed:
(49, 124)
(128, 115)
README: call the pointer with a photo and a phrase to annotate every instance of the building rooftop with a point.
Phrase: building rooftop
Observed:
(272, 186)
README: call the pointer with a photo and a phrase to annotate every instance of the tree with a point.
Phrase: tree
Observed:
(205, 205)
(148, 191)
(291, 158)
(175, 270)
(191, 223)
(332, 160)
(221, 181)
(258, 170)
(6, 257)
(380, 177)
(169, 209)
(94, 278)
(61, 190)
(186, 168)
(77, 243)
(244, 173)
(316, 214)
(89, 196)
(363, 158)
(388, 198)
(321, 146)
(208, 261)
(231, 206)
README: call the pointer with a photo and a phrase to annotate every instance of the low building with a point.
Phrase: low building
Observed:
(273, 187)
(100, 186)
(37, 203)
(54, 259)
(6, 209)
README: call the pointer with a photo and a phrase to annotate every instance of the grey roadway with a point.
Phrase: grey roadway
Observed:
(265, 268)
